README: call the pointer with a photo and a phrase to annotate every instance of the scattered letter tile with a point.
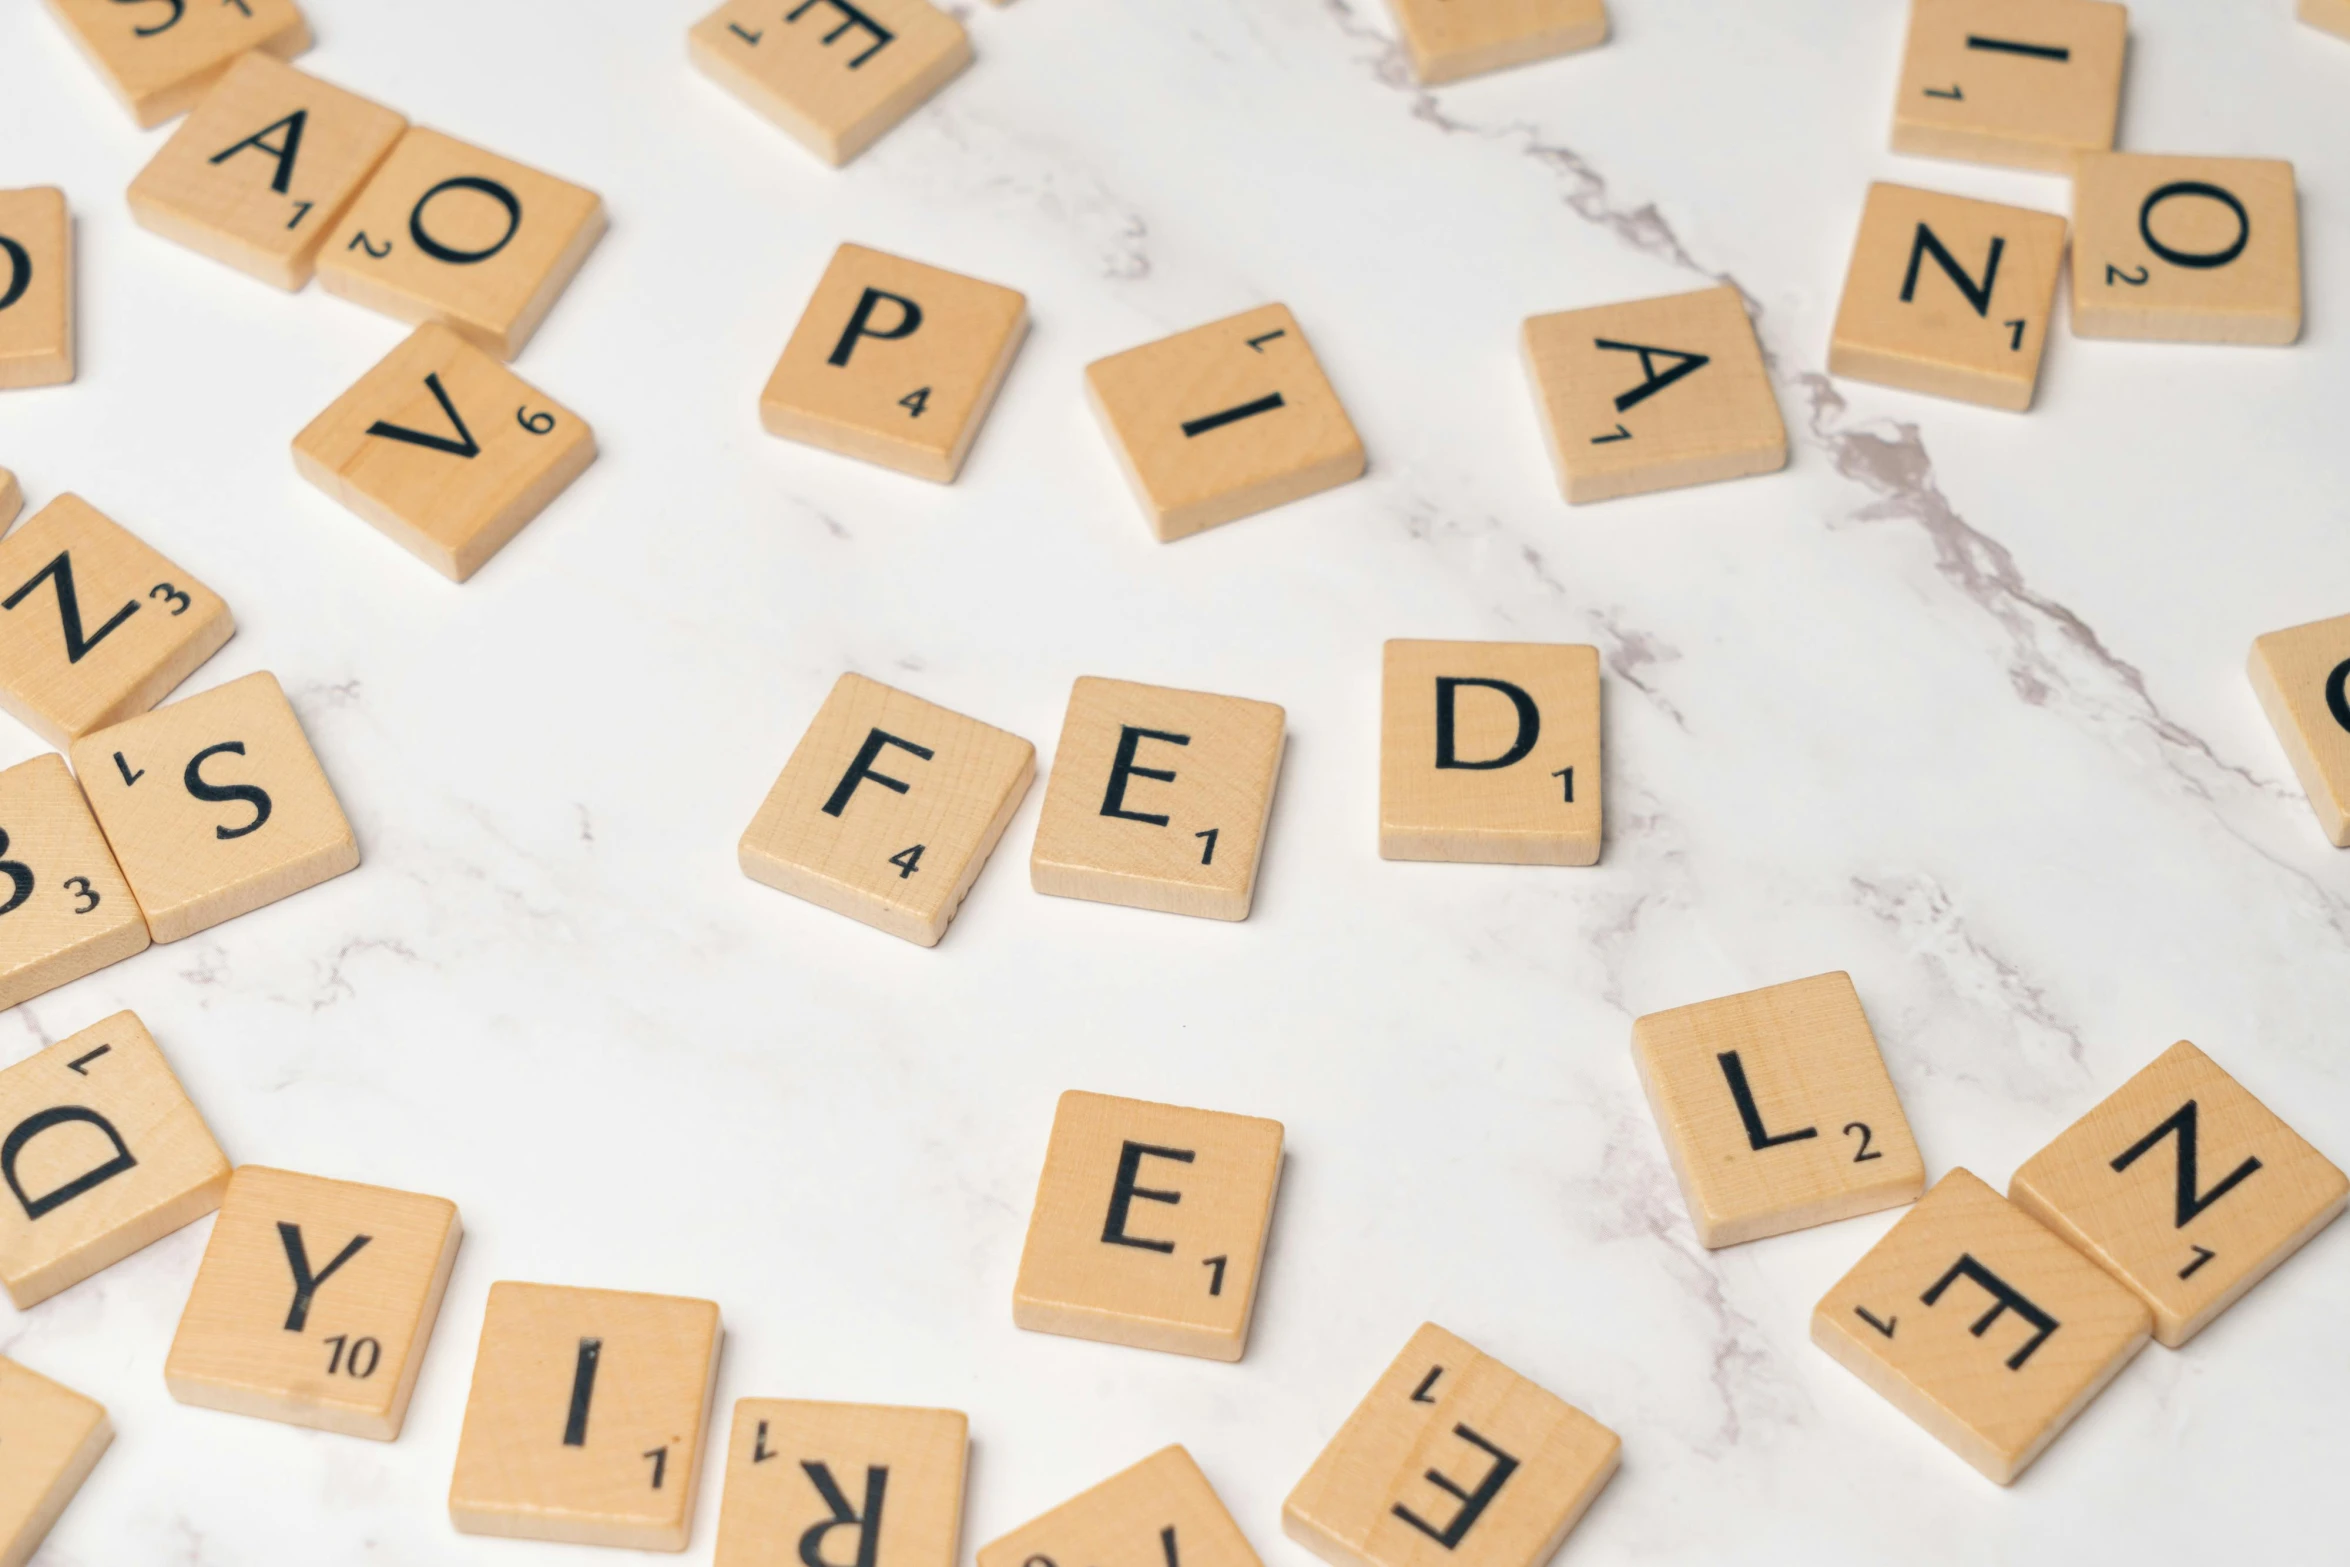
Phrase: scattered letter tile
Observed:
(2332, 15)
(848, 1483)
(836, 74)
(2186, 250)
(1489, 752)
(161, 57)
(2032, 84)
(11, 498)
(36, 288)
(1162, 1510)
(65, 910)
(1450, 39)
(53, 1437)
(2302, 677)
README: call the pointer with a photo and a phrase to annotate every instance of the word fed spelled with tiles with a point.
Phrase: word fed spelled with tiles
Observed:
(215, 806)
(895, 363)
(445, 450)
(835, 74)
(261, 170)
(1223, 421)
(1948, 296)
(1448, 40)
(841, 1484)
(1776, 1110)
(1158, 799)
(36, 288)
(888, 809)
(1489, 752)
(450, 233)
(2031, 84)
(2184, 1187)
(160, 57)
(1454, 1460)
(2302, 677)
(1160, 1513)
(586, 1416)
(65, 910)
(53, 1438)
(1149, 1226)
(2190, 250)
(102, 1154)
(1980, 1325)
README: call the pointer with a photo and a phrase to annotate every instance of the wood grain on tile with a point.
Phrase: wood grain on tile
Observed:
(2186, 250)
(65, 910)
(2031, 84)
(1451, 39)
(1489, 752)
(53, 1438)
(161, 56)
(2302, 677)
(1160, 1511)
(36, 288)
(835, 74)
(860, 1484)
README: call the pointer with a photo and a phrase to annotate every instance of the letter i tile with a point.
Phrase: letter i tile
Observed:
(852, 1485)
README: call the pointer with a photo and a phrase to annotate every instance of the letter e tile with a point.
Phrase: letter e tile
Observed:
(1489, 752)
(1160, 1513)
(53, 1437)
(835, 74)
(815, 1477)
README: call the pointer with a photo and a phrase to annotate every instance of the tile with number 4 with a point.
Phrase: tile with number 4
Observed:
(1160, 1511)
(862, 1483)
(1489, 752)
(160, 56)
(2302, 677)
(835, 74)
(65, 910)
(2032, 84)
(2187, 250)
(36, 288)
(53, 1437)
(1448, 40)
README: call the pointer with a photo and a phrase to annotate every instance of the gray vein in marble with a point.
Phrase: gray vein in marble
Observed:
(335, 985)
(1060, 186)
(1922, 910)
(1630, 653)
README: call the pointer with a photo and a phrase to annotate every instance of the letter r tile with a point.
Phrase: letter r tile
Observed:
(864, 1485)
(1489, 751)
(1160, 1513)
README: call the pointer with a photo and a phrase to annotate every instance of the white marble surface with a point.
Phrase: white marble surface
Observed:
(1956, 703)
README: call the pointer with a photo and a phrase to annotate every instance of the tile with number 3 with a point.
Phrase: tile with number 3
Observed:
(65, 910)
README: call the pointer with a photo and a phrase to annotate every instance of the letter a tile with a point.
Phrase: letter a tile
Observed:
(813, 1479)
(1454, 1460)
(161, 57)
(1160, 1513)
(1980, 1325)
(1448, 40)
(2332, 15)
(69, 912)
(2302, 677)
(2187, 250)
(2031, 84)
(835, 74)
(315, 1302)
(1149, 1226)
(1776, 1109)
(102, 1154)
(1489, 752)
(53, 1437)
(36, 288)
(2184, 1187)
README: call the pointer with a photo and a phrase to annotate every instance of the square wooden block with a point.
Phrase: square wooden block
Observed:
(2031, 84)
(1489, 752)
(2184, 1187)
(1776, 1109)
(1223, 421)
(848, 1483)
(263, 168)
(315, 1302)
(1149, 1226)
(2302, 677)
(2332, 15)
(1980, 1325)
(585, 1420)
(36, 288)
(888, 809)
(159, 58)
(1158, 799)
(1454, 1460)
(451, 233)
(1948, 296)
(103, 1154)
(53, 1437)
(11, 498)
(2186, 250)
(215, 806)
(65, 910)
(445, 450)
(1653, 395)
(836, 74)
(1448, 40)
(95, 627)
(1161, 1510)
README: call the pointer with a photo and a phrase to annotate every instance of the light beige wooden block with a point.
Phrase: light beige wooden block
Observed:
(95, 627)
(888, 809)
(262, 169)
(2031, 84)
(65, 910)
(2186, 250)
(1450, 39)
(2302, 677)
(160, 56)
(1454, 1460)
(1149, 1226)
(1776, 1110)
(452, 233)
(849, 1485)
(1223, 421)
(11, 498)
(835, 74)
(36, 288)
(215, 806)
(1161, 1511)
(1489, 752)
(103, 1154)
(1980, 1325)
(2184, 1187)
(1653, 395)
(53, 1438)
(2332, 15)
(1948, 296)
(445, 450)
(1158, 799)
(586, 1416)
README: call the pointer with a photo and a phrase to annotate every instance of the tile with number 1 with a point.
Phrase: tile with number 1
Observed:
(835, 74)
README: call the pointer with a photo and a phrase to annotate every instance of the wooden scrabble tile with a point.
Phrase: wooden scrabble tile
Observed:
(160, 56)
(835, 74)
(1653, 395)
(1776, 1110)
(1489, 752)
(315, 1302)
(2186, 250)
(2184, 1187)
(65, 910)
(1948, 296)
(1448, 40)
(450, 233)
(2031, 84)
(1454, 1460)
(2332, 15)
(845, 1483)
(1980, 1325)
(445, 450)
(887, 809)
(2302, 677)
(11, 498)
(1223, 421)
(585, 1420)
(53, 1437)
(1159, 1511)
(1158, 799)
(95, 627)
(103, 1154)
(36, 288)
(263, 167)
(215, 806)
(1149, 1226)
